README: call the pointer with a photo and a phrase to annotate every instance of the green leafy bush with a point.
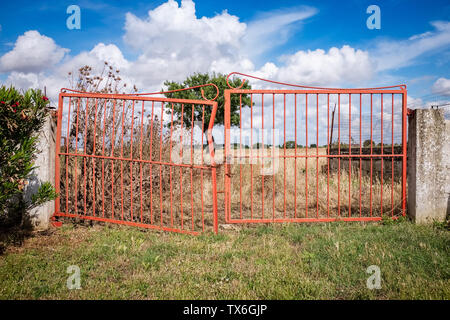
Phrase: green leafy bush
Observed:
(21, 117)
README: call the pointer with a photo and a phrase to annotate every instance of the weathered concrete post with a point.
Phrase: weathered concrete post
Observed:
(45, 171)
(428, 165)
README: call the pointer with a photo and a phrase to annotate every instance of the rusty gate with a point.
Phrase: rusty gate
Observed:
(120, 159)
(305, 155)
(314, 154)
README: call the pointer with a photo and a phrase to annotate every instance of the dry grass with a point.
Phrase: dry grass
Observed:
(304, 187)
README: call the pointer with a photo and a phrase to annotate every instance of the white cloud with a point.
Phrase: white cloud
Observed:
(176, 30)
(173, 42)
(273, 29)
(32, 52)
(319, 67)
(390, 55)
(23, 80)
(442, 87)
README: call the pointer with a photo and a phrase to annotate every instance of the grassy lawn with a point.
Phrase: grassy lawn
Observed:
(290, 261)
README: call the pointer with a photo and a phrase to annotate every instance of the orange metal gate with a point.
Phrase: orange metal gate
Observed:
(127, 159)
(315, 154)
(305, 155)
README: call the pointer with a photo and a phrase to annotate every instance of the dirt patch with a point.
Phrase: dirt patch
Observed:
(50, 238)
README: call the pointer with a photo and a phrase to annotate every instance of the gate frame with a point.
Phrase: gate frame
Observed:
(307, 90)
(134, 97)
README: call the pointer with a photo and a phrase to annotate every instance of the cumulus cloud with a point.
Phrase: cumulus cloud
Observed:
(173, 42)
(397, 54)
(32, 52)
(273, 28)
(442, 87)
(319, 67)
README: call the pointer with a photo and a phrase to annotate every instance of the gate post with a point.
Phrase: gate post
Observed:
(44, 171)
(428, 166)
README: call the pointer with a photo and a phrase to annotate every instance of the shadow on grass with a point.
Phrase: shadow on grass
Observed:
(15, 228)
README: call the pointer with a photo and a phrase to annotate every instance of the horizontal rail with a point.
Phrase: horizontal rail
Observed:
(315, 91)
(135, 98)
(124, 222)
(134, 160)
(311, 155)
(304, 220)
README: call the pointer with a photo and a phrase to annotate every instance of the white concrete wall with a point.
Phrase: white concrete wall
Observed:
(45, 171)
(428, 165)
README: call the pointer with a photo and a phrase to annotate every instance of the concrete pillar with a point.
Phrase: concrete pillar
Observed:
(45, 172)
(428, 165)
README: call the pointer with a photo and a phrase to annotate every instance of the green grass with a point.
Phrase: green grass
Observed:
(291, 261)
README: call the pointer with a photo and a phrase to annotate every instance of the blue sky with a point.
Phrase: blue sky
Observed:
(412, 46)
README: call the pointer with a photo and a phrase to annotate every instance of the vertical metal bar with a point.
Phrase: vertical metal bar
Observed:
(392, 159)
(67, 157)
(160, 159)
(170, 168)
(211, 150)
(93, 159)
(131, 161)
(360, 153)
(140, 158)
(151, 166)
(251, 156)
(306, 158)
(295, 152)
(317, 157)
(371, 150)
(339, 152)
(201, 170)
(262, 153)
(84, 151)
(381, 197)
(181, 170)
(121, 155)
(76, 158)
(112, 161)
(227, 171)
(284, 153)
(404, 146)
(350, 153)
(192, 163)
(328, 153)
(103, 161)
(273, 157)
(240, 155)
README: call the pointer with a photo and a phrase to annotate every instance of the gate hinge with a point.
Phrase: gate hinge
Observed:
(409, 112)
(55, 223)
